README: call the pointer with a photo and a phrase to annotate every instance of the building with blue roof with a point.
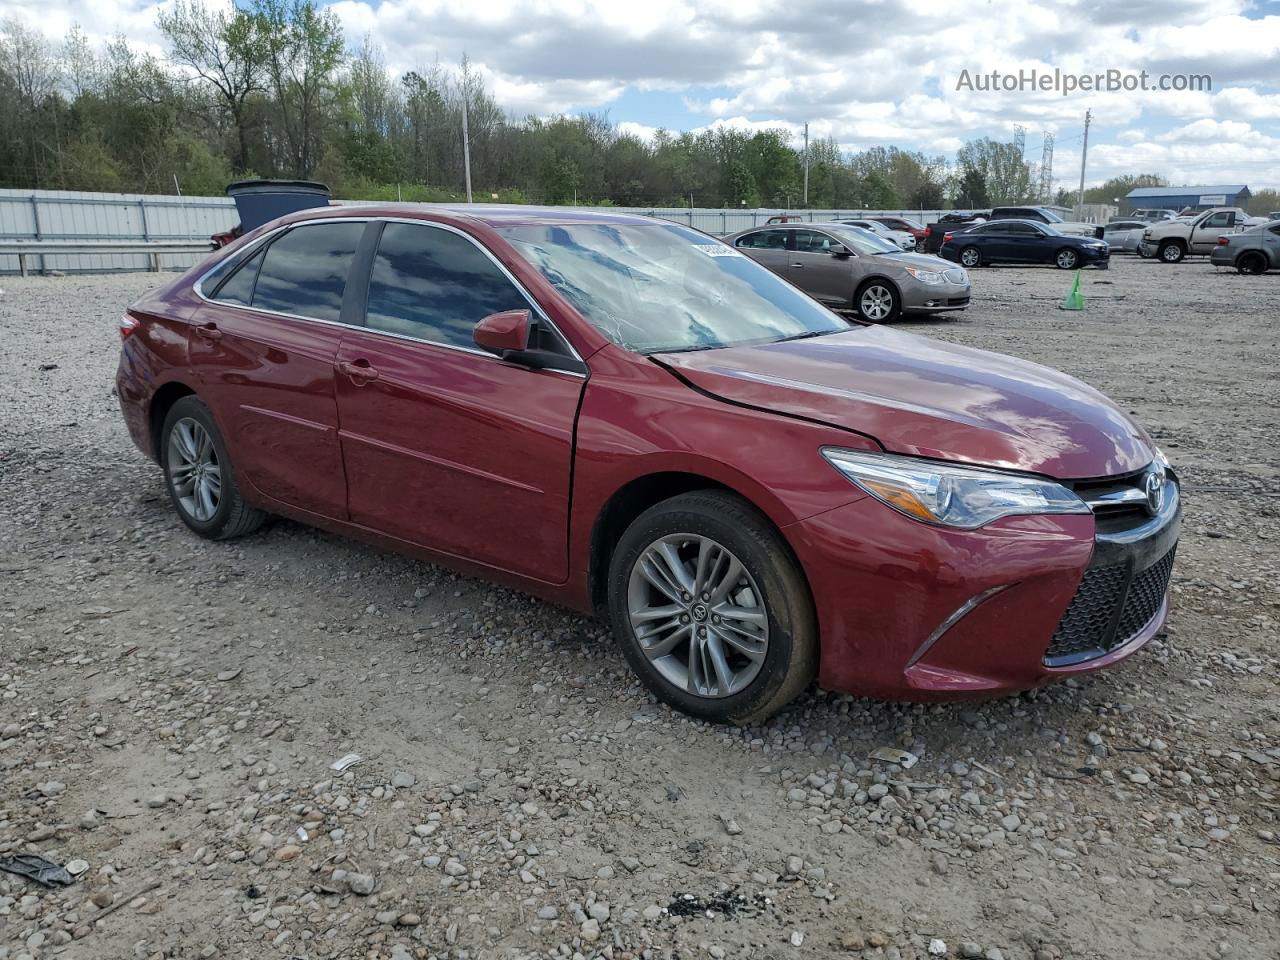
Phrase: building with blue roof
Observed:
(1195, 198)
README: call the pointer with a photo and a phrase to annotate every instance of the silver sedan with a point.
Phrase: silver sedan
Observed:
(851, 269)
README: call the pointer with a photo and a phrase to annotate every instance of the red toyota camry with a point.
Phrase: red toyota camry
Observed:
(627, 416)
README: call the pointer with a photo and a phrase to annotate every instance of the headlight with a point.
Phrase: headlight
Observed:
(965, 497)
(925, 276)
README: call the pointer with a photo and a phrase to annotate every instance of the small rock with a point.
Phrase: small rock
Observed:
(937, 948)
(590, 930)
(402, 780)
(361, 884)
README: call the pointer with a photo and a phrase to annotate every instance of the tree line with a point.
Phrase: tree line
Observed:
(269, 89)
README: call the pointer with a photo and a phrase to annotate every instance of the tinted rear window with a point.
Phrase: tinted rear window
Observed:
(239, 286)
(305, 271)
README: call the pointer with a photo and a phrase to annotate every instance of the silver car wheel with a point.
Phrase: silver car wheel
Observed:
(970, 257)
(876, 302)
(1066, 259)
(698, 615)
(193, 469)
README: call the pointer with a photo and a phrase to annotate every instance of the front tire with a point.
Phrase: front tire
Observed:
(711, 609)
(1171, 252)
(877, 301)
(199, 475)
(1066, 259)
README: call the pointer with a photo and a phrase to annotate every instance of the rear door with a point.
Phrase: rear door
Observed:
(263, 349)
(766, 247)
(819, 274)
(445, 445)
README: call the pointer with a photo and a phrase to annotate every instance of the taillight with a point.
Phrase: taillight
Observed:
(928, 230)
(1223, 241)
(128, 325)
(946, 238)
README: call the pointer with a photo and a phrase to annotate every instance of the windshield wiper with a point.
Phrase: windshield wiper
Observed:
(806, 335)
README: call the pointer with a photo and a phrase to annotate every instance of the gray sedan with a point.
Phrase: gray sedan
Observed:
(848, 268)
(1125, 236)
(1255, 250)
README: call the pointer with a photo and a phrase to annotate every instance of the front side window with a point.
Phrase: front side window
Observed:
(1022, 230)
(864, 242)
(810, 241)
(432, 284)
(1218, 220)
(304, 272)
(661, 287)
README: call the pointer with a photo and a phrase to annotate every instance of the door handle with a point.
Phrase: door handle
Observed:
(209, 331)
(359, 371)
(798, 265)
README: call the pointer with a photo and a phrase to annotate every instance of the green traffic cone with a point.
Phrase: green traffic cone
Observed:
(1075, 300)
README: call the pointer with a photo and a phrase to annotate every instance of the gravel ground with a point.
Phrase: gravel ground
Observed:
(170, 708)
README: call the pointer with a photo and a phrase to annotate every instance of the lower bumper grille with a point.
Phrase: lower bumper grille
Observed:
(1110, 607)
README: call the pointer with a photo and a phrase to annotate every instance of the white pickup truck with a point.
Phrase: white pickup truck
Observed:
(1171, 240)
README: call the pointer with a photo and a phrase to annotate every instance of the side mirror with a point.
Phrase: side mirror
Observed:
(838, 250)
(503, 333)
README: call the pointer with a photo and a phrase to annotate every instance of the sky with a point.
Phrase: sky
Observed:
(867, 72)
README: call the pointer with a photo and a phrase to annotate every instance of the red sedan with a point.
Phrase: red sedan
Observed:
(627, 416)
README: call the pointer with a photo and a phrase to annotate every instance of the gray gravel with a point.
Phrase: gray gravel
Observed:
(170, 708)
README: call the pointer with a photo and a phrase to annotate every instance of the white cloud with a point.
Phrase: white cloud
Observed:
(862, 71)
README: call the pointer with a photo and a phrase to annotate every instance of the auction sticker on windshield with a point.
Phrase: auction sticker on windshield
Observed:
(717, 250)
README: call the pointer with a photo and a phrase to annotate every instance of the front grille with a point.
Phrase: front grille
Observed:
(1110, 607)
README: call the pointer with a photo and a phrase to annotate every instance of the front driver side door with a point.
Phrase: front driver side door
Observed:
(819, 274)
(447, 446)
(1204, 237)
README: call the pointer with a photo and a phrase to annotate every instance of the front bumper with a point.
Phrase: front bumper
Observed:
(935, 297)
(910, 611)
(1148, 247)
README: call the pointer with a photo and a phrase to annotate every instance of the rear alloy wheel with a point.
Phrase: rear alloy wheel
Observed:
(971, 257)
(1252, 262)
(711, 610)
(877, 302)
(1172, 252)
(1066, 259)
(198, 474)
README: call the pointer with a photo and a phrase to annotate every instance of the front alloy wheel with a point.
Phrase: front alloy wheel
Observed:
(877, 302)
(710, 608)
(1067, 259)
(698, 615)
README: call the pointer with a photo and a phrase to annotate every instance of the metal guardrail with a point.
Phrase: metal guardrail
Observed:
(153, 248)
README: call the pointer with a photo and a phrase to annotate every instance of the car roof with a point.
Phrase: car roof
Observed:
(492, 215)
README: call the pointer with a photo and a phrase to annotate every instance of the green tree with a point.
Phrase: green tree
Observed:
(971, 192)
(1004, 172)
(303, 50)
(224, 48)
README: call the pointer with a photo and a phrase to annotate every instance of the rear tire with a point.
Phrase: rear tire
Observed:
(1252, 263)
(971, 257)
(1171, 251)
(199, 476)
(711, 609)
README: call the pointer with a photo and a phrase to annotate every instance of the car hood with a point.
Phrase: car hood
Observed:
(923, 261)
(926, 398)
(1073, 229)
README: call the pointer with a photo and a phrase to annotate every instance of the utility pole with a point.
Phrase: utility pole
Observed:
(466, 145)
(1084, 153)
(806, 164)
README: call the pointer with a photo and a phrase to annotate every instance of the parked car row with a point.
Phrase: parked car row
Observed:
(629, 417)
